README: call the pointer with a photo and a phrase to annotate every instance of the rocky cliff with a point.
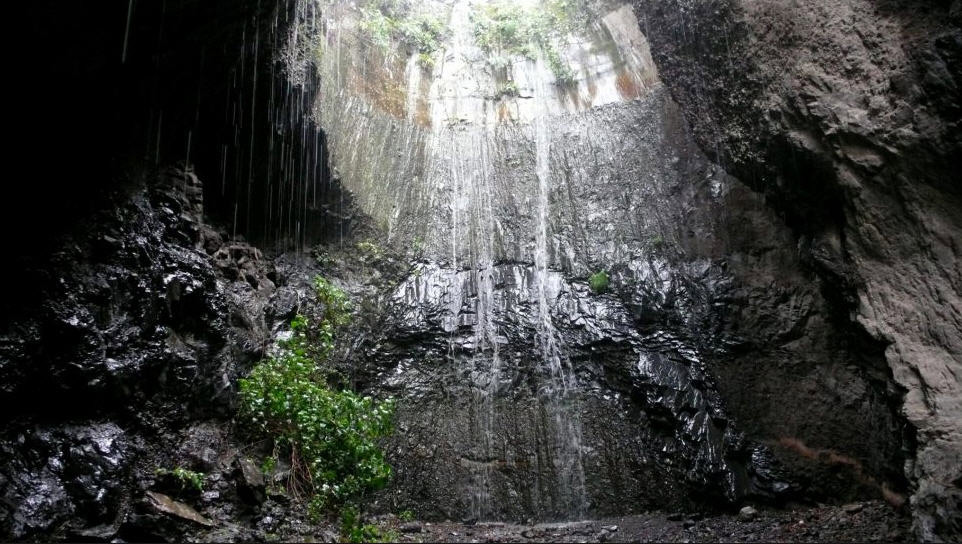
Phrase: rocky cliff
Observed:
(845, 115)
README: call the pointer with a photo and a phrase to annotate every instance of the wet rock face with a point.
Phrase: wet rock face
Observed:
(129, 309)
(141, 323)
(857, 142)
(650, 430)
(57, 473)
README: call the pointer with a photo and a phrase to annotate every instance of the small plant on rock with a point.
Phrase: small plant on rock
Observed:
(417, 246)
(186, 478)
(268, 466)
(426, 61)
(370, 250)
(657, 242)
(337, 313)
(507, 90)
(599, 282)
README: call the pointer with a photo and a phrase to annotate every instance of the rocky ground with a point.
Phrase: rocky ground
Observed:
(856, 522)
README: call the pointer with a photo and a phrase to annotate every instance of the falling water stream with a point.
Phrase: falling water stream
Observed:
(559, 398)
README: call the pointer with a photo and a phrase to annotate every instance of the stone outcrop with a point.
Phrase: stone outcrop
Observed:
(845, 115)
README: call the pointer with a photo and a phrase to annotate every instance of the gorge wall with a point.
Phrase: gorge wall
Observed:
(768, 187)
(505, 203)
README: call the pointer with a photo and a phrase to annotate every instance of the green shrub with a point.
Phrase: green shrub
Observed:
(506, 26)
(422, 32)
(508, 89)
(406, 515)
(559, 68)
(378, 27)
(331, 436)
(318, 342)
(337, 306)
(598, 282)
(417, 245)
(657, 242)
(268, 466)
(369, 250)
(426, 61)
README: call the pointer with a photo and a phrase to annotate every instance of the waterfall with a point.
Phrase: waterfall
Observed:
(413, 71)
(452, 161)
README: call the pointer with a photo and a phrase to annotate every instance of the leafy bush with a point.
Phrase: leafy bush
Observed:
(425, 60)
(598, 282)
(331, 436)
(268, 466)
(423, 32)
(370, 251)
(387, 23)
(417, 246)
(506, 26)
(562, 72)
(406, 515)
(378, 27)
(508, 89)
(319, 343)
(657, 242)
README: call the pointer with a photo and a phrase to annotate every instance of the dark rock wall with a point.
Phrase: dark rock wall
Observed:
(845, 115)
(716, 324)
(140, 324)
(714, 327)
